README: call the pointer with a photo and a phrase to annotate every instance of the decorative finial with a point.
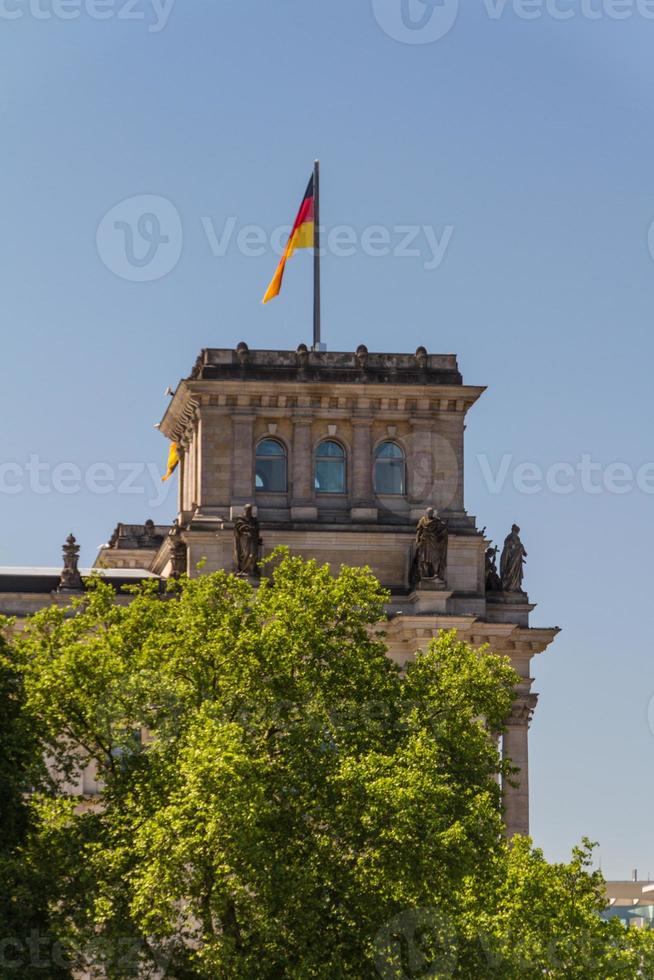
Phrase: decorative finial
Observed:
(243, 353)
(70, 580)
(422, 357)
(302, 356)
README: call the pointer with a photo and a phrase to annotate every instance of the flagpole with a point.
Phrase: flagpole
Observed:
(316, 256)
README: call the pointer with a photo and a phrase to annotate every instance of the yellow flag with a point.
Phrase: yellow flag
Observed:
(173, 460)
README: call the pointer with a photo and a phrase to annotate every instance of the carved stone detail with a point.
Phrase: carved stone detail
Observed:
(247, 543)
(178, 551)
(512, 562)
(302, 357)
(243, 353)
(493, 580)
(430, 559)
(71, 580)
(422, 358)
(522, 710)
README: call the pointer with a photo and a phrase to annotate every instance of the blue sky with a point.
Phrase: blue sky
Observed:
(525, 146)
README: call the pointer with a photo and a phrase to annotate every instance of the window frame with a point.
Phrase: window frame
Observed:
(377, 460)
(282, 456)
(343, 460)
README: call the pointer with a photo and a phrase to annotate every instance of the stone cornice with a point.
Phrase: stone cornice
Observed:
(319, 400)
(345, 367)
(503, 638)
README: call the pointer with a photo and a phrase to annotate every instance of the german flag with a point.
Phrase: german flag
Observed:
(302, 236)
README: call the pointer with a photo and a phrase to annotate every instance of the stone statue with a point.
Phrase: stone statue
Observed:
(178, 551)
(71, 580)
(431, 548)
(493, 580)
(512, 562)
(247, 543)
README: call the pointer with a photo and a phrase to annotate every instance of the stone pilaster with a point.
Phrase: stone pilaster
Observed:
(448, 457)
(242, 461)
(303, 505)
(420, 467)
(214, 458)
(363, 508)
(516, 751)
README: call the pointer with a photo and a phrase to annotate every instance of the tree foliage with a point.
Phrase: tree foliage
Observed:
(26, 878)
(281, 800)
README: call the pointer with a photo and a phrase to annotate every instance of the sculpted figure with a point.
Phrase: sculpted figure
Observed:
(247, 543)
(493, 581)
(512, 562)
(431, 547)
(178, 551)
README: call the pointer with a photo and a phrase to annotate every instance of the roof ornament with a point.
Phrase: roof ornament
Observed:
(243, 353)
(70, 580)
(422, 358)
(361, 356)
(302, 357)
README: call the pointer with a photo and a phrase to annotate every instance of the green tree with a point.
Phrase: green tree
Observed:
(27, 943)
(542, 919)
(280, 800)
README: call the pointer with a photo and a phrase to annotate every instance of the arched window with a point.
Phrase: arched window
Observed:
(330, 467)
(390, 469)
(270, 467)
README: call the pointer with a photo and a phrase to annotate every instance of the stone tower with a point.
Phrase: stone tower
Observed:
(341, 454)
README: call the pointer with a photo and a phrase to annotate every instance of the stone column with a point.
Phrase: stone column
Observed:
(516, 751)
(242, 462)
(303, 507)
(362, 463)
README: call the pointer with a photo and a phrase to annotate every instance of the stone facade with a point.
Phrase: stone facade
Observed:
(235, 401)
(340, 454)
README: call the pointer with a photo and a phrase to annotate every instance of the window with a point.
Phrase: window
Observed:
(330, 467)
(270, 463)
(390, 469)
